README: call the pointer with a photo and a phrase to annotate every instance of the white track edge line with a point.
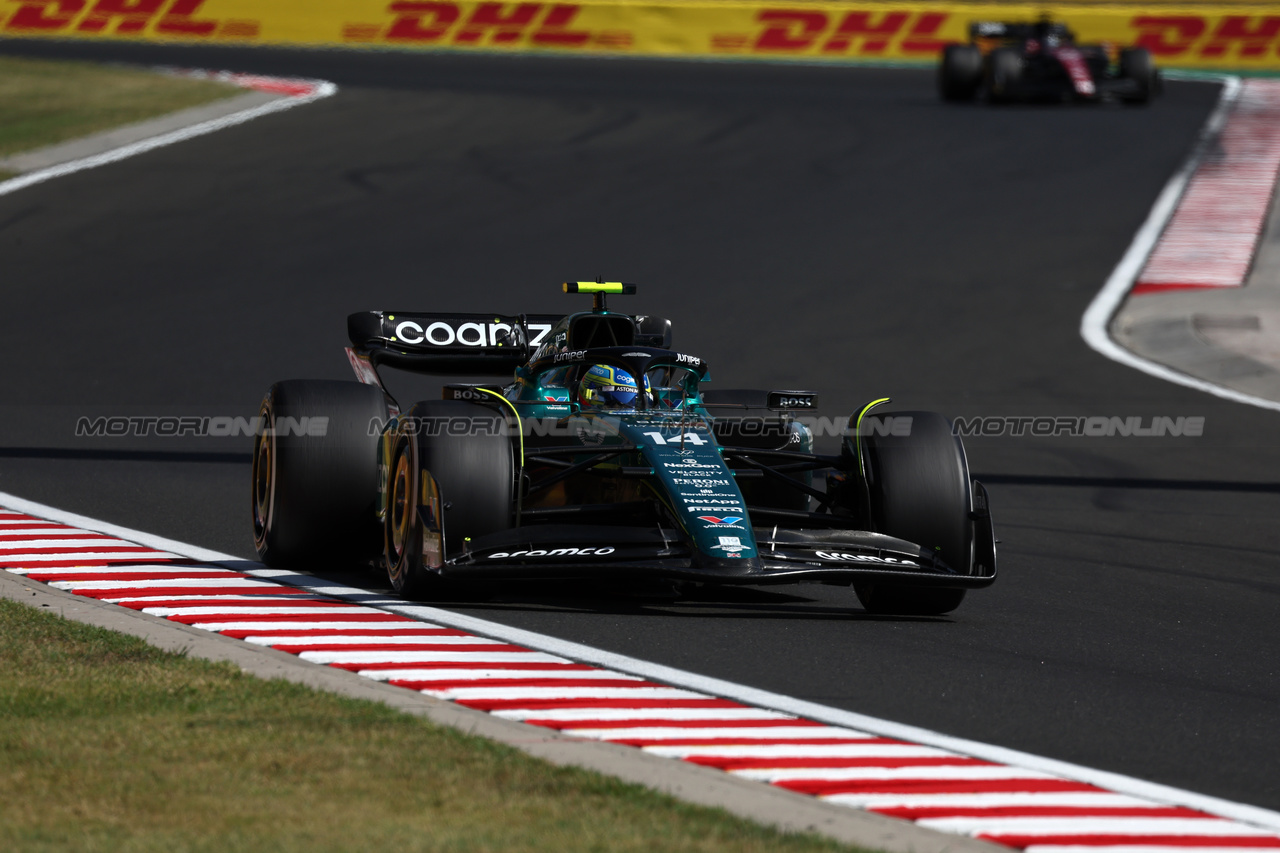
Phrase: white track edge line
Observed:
(1115, 782)
(1096, 319)
(323, 89)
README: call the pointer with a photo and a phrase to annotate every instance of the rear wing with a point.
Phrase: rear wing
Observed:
(447, 344)
(999, 30)
(1018, 30)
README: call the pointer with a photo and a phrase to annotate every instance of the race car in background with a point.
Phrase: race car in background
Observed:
(603, 457)
(1041, 61)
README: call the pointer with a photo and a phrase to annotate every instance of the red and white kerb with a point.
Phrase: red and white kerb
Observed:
(1212, 237)
(941, 789)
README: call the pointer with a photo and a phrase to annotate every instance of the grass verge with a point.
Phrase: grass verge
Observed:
(110, 744)
(43, 102)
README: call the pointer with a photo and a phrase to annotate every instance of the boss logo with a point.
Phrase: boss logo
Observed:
(791, 400)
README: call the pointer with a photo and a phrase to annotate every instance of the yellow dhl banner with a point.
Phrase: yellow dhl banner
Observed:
(1238, 37)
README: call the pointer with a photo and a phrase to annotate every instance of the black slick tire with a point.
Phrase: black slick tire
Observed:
(315, 474)
(1003, 75)
(920, 492)
(465, 449)
(959, 72)
(1137, 65)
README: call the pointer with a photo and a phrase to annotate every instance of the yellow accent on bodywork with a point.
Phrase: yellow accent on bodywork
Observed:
(593, 287)
(514, 411)
(857, 432)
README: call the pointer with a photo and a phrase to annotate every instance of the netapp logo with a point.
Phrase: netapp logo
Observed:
(444, 334)
(555, 552)
(842, 557)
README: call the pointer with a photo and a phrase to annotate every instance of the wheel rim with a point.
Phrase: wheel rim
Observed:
(263, 481)
(401, 506)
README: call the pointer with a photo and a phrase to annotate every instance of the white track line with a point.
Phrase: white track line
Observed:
(554, 650)
(319, 89)
(1093, 326)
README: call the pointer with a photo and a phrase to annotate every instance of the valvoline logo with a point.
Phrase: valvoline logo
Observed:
(721, 520)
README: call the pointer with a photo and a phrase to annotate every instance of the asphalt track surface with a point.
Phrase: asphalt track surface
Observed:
(836, 229)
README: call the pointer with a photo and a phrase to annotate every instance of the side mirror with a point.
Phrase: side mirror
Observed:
(653, 331)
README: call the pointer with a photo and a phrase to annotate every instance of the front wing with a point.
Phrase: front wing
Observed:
(786, 556)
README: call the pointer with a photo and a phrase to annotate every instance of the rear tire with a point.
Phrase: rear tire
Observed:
(467, 452)
(1137, 65)
(315, 494)
(960, 72)
(1004, 73)
(920, 492)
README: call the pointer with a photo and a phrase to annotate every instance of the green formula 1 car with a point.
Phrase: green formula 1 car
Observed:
(604, 458)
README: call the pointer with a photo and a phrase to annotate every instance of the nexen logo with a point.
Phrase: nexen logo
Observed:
(442, 334)
(556, 552)
(861, 558)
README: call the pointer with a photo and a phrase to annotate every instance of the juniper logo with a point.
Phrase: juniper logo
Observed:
(1096, 426)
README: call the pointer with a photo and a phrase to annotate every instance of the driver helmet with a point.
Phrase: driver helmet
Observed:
(607, 387)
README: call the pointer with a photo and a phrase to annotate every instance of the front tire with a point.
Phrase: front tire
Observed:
(315, 474)
(465, 450)
(920, 492)
(1004, 74)
(1137, 65)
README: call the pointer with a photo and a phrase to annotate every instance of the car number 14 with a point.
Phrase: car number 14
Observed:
(688, 438)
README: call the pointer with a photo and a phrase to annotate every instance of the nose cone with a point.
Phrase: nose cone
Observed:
(700, 489)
